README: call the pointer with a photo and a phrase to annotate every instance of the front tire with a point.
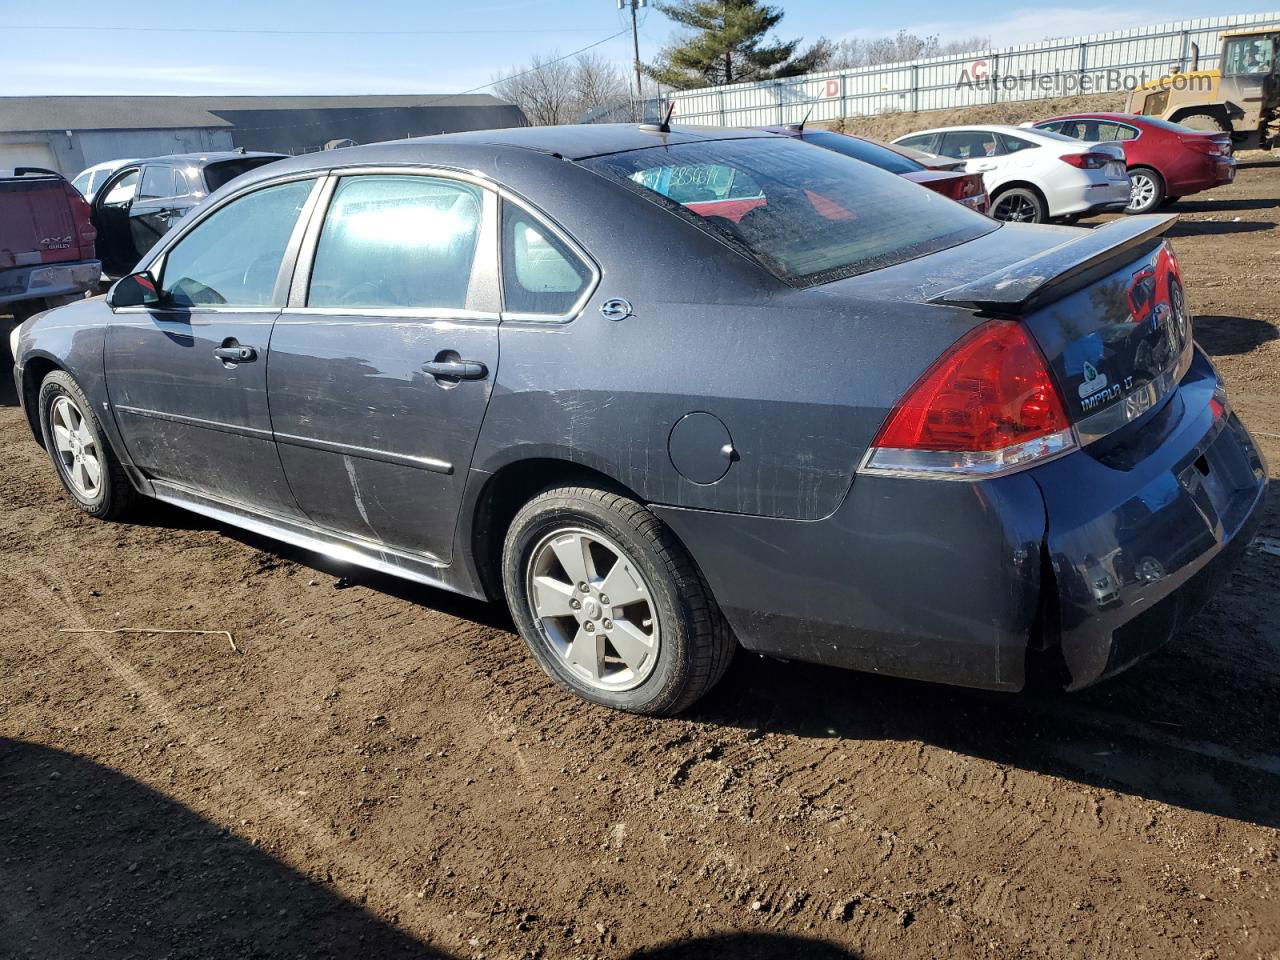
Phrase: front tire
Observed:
(84, 462)
(1019, 205)
(1146, 190)
(610, 604)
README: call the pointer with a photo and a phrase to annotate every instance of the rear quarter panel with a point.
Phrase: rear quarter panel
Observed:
(801, 379)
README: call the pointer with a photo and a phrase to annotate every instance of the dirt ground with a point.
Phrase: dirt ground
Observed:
(380, 770)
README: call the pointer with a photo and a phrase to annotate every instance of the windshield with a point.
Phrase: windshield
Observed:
(872, 153)
(808, 216)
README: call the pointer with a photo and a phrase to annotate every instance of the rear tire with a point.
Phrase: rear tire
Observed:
(654, 647)
(82, 458)
(1019, 205)
(1205, 122)
(1146, 190)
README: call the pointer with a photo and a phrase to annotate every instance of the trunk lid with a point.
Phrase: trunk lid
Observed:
(43, 219)
(1107, 309)
(1105, 306)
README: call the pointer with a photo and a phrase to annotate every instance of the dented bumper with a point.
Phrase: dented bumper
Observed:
(1141, 536)
(1099, 555)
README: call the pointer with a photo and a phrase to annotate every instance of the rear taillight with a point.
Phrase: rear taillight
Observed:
(1087, 161)
(988, 406)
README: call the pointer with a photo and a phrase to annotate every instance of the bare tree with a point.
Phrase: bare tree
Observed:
(857, 52)
(555, 90)
(544, 90)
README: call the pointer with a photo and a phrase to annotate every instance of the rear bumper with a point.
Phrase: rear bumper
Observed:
(1097, 196)
(1138, 548)
(957, 582)
(49, 280)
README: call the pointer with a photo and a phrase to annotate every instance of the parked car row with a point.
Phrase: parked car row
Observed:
(668, 393)
(1067, 167)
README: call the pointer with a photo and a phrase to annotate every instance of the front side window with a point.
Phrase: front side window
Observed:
(122, 191)
(970, 145)
(81, 183)
(157, 181)
(818, 215)
(233, 256)
(397, 242)
(1249, 57)
(540, 275)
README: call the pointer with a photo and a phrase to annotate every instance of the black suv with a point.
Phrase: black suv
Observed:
(136, 207)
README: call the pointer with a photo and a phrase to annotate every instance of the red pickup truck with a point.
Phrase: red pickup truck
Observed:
(46, 242)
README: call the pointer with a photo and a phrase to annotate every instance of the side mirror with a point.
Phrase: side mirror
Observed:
(135, 290)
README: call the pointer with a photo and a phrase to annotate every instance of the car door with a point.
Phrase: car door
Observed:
(981, 151)
(187, 377)
(382, 364)
(155, 209)
(112, 204)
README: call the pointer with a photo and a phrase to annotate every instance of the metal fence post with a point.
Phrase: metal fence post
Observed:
(995, 77)
(1084, 63)
(1185, 56)
(724, 120)
(777, 87)
(844, 95)
(915, 88)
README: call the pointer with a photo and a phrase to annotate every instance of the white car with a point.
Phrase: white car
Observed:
(89, 180)
(1034, 175)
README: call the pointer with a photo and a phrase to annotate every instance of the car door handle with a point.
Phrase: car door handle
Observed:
(456, 369)
(235, 353)
(983, 167)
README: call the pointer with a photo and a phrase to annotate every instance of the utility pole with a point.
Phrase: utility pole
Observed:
(633, 5)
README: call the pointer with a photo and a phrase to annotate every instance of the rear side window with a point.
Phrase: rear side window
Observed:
(871, 153)
(1015, 144)
(970, 144)
(818, 215)
(158, 180)
(1116, 131)
(232, 257)
(923, 142)
(540, 274)
(397, 242)
(223, 172)
(1053, 126)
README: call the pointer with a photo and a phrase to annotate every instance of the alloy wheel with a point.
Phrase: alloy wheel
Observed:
(593, 608)
(1142, 191)
(1015, 209)
(77, 448)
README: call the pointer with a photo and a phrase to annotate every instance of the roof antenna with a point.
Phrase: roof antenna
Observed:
(799, 127)
(663, 125)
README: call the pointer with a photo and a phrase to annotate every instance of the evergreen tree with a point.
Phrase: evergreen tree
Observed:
(728, 45)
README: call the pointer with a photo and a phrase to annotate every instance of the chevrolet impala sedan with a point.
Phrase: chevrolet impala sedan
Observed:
(671, 392)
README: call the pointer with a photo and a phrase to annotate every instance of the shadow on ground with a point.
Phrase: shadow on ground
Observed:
(1201, 203)
(1218, 228)
(98, 865)
(1230, 336)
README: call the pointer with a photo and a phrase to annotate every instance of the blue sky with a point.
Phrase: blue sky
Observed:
(397, 46)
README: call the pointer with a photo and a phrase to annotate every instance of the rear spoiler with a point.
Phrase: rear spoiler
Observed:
(1063, 269)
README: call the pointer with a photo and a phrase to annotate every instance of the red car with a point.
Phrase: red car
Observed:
(966, 188)
(46, 242)
(1166, 161)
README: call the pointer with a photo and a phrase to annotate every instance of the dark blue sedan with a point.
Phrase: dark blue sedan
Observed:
(671, 392)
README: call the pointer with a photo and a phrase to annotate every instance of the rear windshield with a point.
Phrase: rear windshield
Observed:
(219, 174)
(808, 216)
(871, 153)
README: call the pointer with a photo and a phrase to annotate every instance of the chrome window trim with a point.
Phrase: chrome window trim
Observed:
(194, 311)
(588, 291)
(392, 313)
